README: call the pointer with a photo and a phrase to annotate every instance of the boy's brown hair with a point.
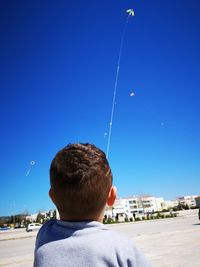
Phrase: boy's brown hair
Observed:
(81, 179)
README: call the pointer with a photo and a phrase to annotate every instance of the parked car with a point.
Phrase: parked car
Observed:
(4, 228)
(33, 227)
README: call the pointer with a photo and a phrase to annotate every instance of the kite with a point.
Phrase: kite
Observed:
(132, 93)
(32, 163)
(130, 14)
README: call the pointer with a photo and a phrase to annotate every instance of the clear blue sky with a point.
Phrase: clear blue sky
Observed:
(58, 64)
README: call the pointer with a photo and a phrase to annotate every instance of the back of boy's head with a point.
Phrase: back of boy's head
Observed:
(80, 179)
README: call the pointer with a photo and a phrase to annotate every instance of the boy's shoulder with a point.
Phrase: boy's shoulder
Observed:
(55, 230)
(88, 238)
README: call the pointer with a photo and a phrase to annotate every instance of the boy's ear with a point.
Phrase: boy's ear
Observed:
(51, 195)
(112, 196)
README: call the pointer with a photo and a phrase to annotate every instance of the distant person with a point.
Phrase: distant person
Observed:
(81, 186)
(199, 213)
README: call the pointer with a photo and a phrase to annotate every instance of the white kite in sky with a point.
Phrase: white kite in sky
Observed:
(32, 163)
(130, 12)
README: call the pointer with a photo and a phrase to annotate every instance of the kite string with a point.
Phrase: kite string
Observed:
(28, 172)
(115, 86)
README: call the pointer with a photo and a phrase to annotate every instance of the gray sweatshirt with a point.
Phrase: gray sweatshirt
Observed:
(84, 244)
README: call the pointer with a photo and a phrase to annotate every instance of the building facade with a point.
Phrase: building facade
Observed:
(130, 207)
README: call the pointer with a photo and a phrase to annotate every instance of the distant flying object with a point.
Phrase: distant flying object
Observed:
(32, 163)
(130, 12)
(132, 93)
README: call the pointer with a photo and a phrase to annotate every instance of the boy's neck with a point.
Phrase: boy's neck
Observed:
(76, 219)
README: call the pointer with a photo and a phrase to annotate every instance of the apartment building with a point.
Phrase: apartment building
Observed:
(128, 207)
(170, 204)
(187, 200)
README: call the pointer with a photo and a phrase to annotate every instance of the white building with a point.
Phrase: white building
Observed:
(121, 210)
(187, 200)
(128, 207)
(160, 203)
(170, 204)
(32, 218)
(151, 204)
(134, 205)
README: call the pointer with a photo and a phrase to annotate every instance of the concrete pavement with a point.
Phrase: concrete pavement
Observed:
(171, 242)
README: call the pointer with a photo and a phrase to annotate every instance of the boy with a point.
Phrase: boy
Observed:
(81, 186)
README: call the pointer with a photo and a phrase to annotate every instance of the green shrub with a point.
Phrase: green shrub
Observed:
(108, 221)
(137, 219)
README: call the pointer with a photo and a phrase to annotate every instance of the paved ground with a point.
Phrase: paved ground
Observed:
(169, 242)
(166, 242)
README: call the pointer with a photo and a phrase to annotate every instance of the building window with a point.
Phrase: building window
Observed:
(132, 201)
